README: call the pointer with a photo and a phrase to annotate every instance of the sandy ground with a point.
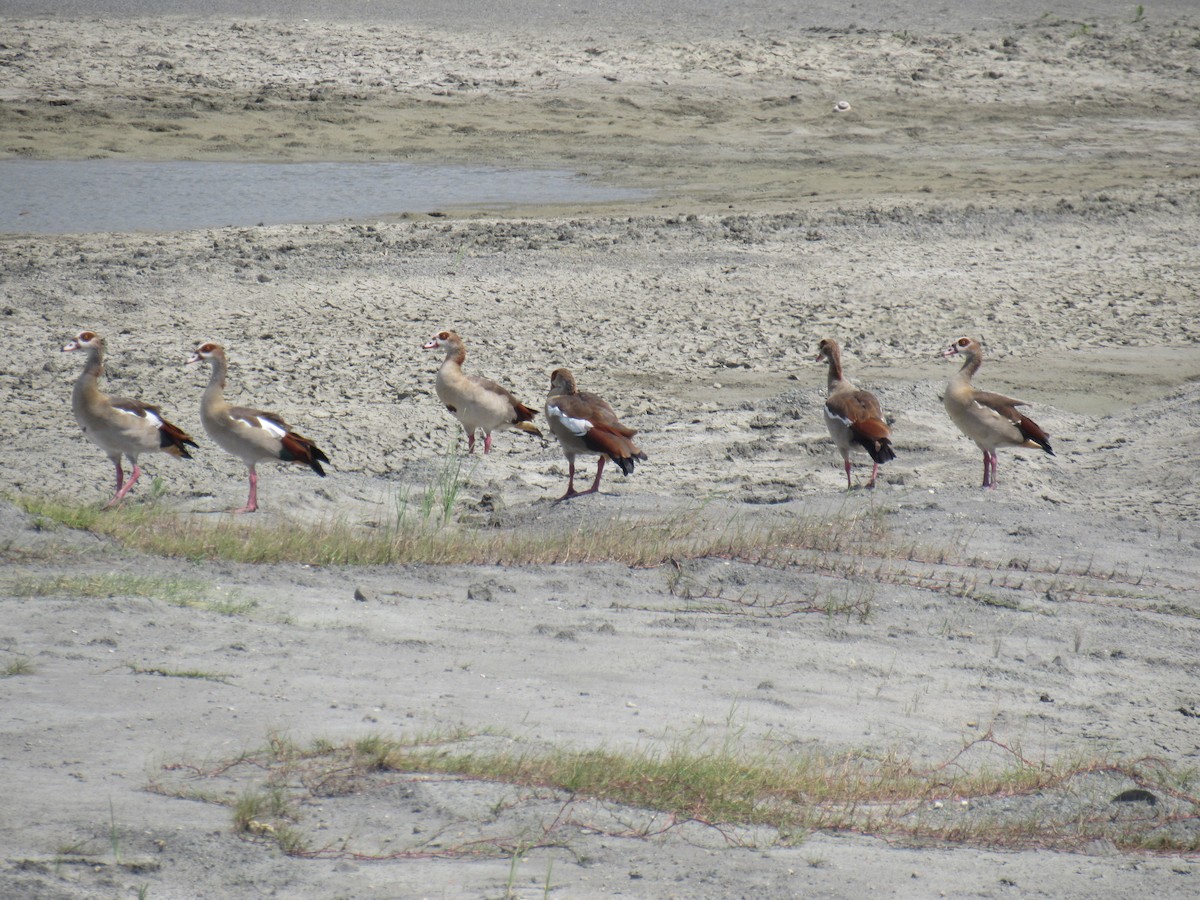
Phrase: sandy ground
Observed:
(1032, 183)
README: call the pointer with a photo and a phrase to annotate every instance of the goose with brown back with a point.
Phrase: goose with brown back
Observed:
(853, 416)
(585, 423)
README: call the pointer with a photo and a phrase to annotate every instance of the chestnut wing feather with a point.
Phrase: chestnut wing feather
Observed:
(862, 412)
(293, 447)
(173, 439)
(1007, 407)
(524, 413)
(603, 414)
(297, 448)
(599, 428)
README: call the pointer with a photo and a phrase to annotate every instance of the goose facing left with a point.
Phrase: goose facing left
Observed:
(991, 420)
(118, 425)
(479, 404)
(251, 435)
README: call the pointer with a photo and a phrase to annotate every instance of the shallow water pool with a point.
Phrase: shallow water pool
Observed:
(73, 196)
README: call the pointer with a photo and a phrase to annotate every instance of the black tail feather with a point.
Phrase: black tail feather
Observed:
(627, 462)
(880, 449)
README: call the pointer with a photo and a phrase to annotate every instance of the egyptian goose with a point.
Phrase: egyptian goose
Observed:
(990, 420)
(585, 423)
(118, 425)
(853, 416)
(478, 403)
(249, 434)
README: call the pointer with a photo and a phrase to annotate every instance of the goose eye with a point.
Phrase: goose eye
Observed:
(962, 342)
(444, 336)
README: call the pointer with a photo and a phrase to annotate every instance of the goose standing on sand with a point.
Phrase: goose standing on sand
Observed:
(585, 423)
(990, 420)
(119, 425)
(478, 403)
(249, 434)
(853, 416)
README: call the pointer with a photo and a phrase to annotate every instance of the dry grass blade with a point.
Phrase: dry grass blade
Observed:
(988, 794)
(640, 542)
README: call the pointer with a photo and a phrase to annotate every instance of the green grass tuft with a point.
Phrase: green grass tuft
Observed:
(83, 587)
(177, 673)
(14, 667)
(185, 592)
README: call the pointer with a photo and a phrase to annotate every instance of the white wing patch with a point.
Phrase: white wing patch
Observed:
(830, 414)
(992, 412)
(145, 414)
(577, 427)
(266, 424)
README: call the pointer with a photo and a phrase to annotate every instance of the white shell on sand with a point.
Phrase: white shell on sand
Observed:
(841, 106)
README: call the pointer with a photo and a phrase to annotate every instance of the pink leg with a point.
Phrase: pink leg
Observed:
(989, 470)
(487, 442)
(252, 502)
(848, 483)
(471, 441)
(123, 490)
(570, 481)
(120, 481)
(874, 475)
(599, 471)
